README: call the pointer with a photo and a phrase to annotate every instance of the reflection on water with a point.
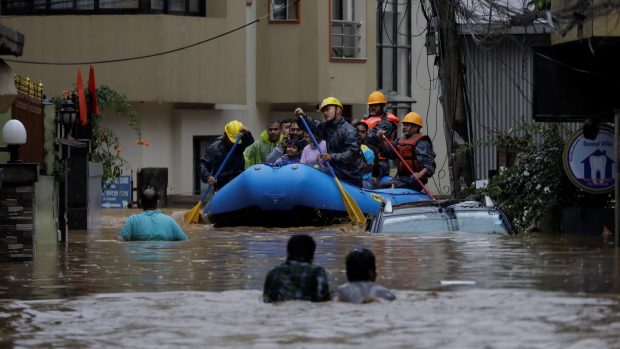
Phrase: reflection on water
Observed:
(450, 284)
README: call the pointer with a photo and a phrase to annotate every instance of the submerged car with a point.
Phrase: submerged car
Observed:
(430, 217)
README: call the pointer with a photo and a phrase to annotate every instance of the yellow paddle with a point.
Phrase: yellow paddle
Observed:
(354, 211)
(193, 215)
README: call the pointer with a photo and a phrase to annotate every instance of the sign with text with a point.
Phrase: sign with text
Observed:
(117, 194)
(590, 163)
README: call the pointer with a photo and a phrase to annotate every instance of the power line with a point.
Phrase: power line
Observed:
(152, 54)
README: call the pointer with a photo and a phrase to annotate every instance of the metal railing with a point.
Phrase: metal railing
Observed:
(346, 39)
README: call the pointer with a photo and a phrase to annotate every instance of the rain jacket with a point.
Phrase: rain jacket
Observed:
(343, 144)
(216, 152)
(258, 151)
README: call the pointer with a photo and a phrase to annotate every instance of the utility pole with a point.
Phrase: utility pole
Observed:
(452, 99)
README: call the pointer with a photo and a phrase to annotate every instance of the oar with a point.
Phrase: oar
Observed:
(354, 211)
(193, 215)
(408, 167)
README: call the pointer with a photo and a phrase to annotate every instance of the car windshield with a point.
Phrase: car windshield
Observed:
(487, 221)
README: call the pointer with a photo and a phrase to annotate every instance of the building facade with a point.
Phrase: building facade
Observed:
(190, 67)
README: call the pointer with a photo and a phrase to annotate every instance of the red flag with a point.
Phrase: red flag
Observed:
(92, 91)
(81, 99)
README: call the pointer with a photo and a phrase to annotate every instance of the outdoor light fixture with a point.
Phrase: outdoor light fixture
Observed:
(67, 115)
(13, 135)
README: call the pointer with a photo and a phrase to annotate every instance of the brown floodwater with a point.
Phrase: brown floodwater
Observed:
(453, 290)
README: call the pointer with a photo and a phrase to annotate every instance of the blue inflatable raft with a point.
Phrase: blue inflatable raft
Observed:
(293, 195)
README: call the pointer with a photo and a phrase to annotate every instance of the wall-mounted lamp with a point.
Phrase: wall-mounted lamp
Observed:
(67, 116)
(13, 135)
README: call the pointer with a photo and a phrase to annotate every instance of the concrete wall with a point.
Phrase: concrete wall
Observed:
(213, 72)
(426, 89)
(170, 133)
(600, 26)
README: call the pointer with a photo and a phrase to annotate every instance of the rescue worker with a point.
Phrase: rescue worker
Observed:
(417, 150)
(217, 151)
(342, 140)
(268, 141)
(378, 119)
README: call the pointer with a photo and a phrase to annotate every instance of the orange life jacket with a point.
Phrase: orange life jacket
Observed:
(406, 148)
(372, 121)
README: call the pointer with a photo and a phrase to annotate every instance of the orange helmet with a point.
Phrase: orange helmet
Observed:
(376, 97)
(413, 118)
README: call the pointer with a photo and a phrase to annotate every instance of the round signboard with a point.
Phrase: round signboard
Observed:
(590, 163)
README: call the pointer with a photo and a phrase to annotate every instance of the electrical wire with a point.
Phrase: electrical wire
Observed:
(152, 54)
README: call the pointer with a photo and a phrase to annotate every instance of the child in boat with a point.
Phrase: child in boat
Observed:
(361, 274)
(310, 154)
(293, 153)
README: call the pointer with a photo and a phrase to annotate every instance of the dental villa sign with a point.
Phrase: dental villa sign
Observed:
(590, 163)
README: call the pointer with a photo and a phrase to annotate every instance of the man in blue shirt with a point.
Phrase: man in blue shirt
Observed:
(151, 224)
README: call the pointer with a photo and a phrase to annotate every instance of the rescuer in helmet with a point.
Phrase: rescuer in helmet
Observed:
(217, 151)
(343, 148)
(378, 119)
(416, 149)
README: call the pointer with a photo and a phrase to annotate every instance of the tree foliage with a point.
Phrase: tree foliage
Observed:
(536, 186)
(105, 144)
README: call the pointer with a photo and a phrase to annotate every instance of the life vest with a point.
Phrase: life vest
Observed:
(372, 121)
(406, 148)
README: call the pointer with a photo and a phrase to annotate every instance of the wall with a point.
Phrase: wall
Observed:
(426, 89)
(207, 73)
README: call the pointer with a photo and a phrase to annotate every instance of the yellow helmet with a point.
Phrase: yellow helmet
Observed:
(376, 97)
(330, 101)
(413, 118)
(233, 130)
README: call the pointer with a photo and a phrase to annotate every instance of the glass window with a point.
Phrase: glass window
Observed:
(394, 51)
(348, 34)
(57, 7)
(481, 222)
(415, 224)
(284, 10)
(489, 222)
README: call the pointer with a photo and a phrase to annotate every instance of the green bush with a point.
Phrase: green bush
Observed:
(536, 186)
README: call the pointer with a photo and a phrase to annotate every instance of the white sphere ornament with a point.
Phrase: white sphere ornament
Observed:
(14, 132)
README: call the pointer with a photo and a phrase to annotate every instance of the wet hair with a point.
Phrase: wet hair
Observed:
(149, 199)
(301, 248)
(361, 265)
(363, 124)
(296, 142)
(285, 121)
(273, 122)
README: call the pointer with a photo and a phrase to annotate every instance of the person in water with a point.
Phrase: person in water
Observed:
(297, 278)
(151, 224)
(361, 274)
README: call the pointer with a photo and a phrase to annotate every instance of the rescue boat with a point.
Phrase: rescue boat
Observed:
(294, 195)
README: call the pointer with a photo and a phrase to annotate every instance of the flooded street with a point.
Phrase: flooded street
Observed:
(453, 291)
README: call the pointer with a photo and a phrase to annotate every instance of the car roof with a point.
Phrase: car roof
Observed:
(436, 205)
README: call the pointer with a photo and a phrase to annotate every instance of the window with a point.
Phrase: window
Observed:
(284, 11)
(57, 7)
(348, 32)
(394, 52)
